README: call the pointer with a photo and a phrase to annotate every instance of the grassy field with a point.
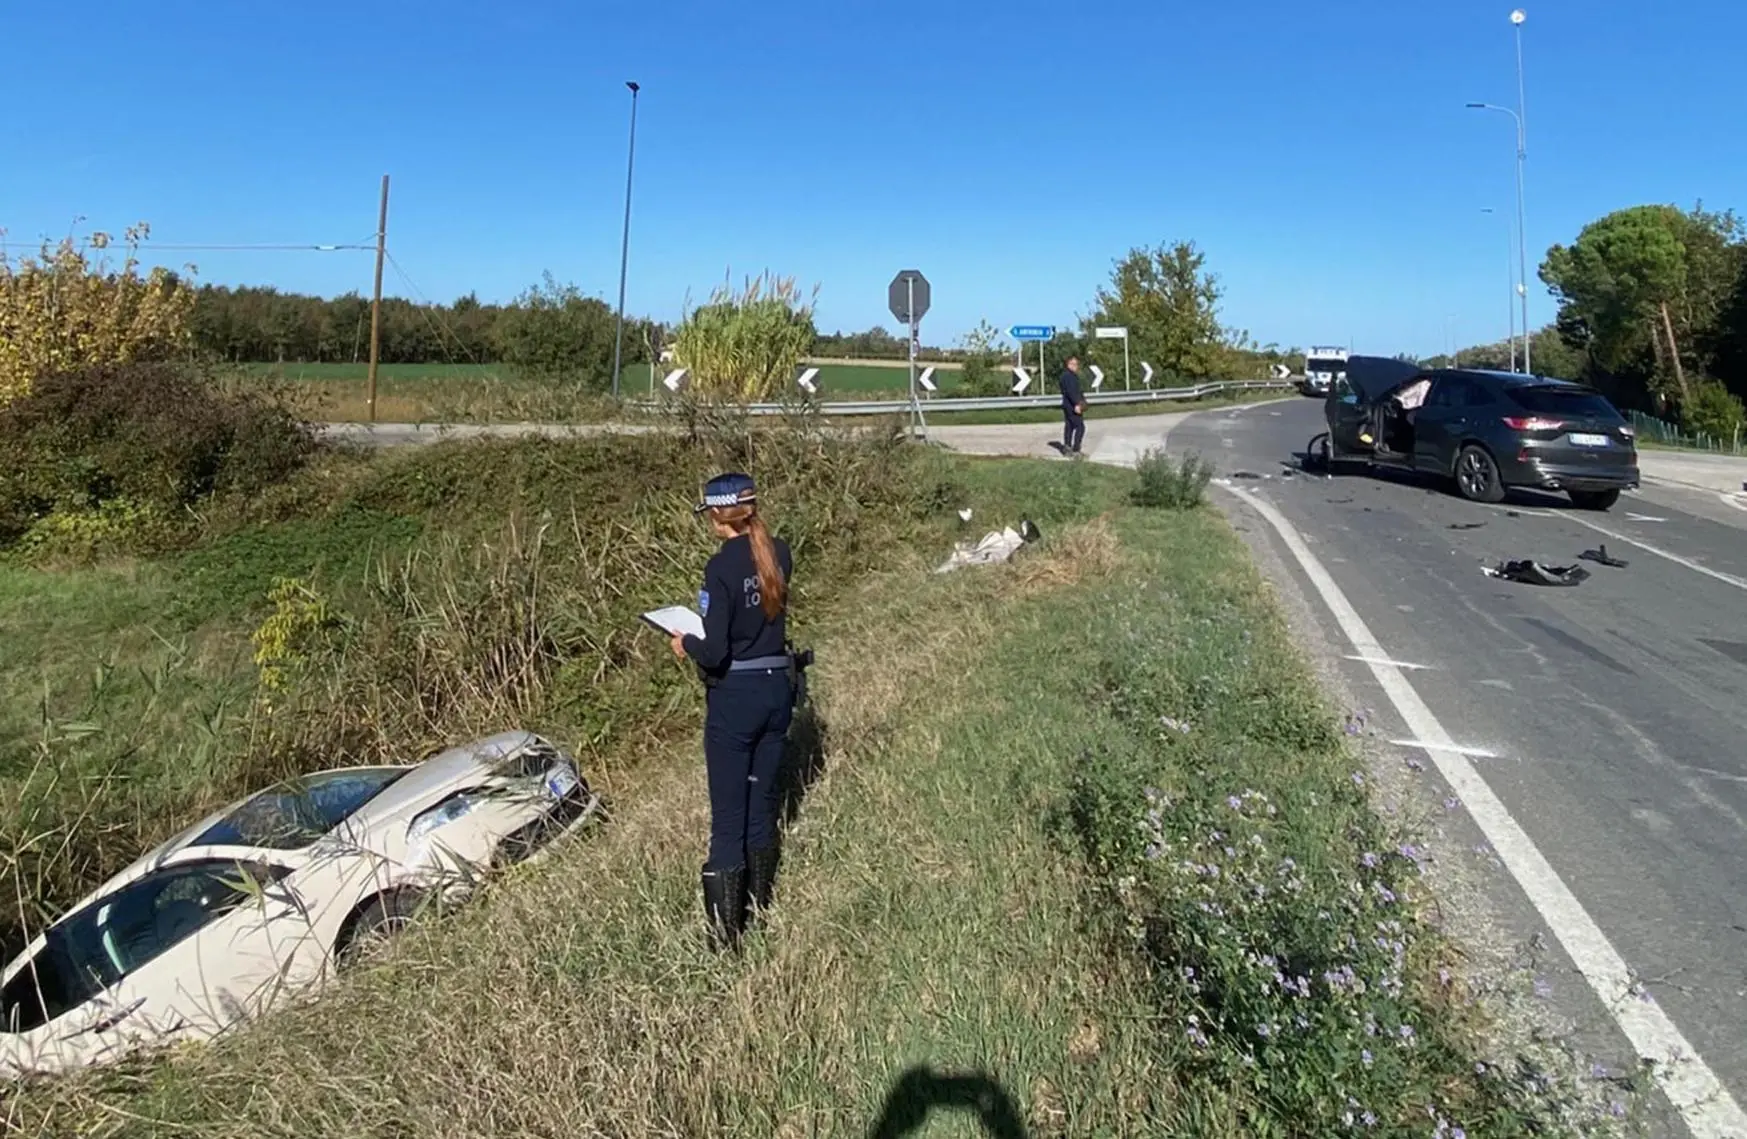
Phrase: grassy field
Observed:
(465, 394)
(418, 392)
(1077, 847)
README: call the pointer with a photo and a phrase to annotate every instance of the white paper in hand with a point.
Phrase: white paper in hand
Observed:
(676, 619)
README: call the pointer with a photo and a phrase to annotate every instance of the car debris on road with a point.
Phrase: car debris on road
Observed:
(1529, 572)
(1601, 555)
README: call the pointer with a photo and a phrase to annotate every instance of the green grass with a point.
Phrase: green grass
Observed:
(992, 900)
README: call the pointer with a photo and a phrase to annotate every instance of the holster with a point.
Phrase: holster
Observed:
(799, 660)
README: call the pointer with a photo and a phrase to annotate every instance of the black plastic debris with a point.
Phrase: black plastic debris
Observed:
(1245, 475)
(1466, 525)
(1601, 555)
(1338, 501)
(1512, 514)
(1028, 530)
(1527, 572)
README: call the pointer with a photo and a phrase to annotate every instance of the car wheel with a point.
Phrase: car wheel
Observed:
(1477, 477)
(1594, 499)
(381, 918)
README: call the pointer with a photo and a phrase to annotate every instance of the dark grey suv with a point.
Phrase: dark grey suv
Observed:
(1488, 431)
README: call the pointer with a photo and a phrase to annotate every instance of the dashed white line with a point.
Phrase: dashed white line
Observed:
(1384, 660)
(1739, 502)
(1457, 749)
(1706, 1106)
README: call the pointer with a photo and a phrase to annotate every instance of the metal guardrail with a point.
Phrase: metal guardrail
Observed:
(947, 404)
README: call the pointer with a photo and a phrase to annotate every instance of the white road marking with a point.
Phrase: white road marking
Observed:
(1428, 746)
(1725, 578)
(1737, 501)
(1381, 660)
(1705, 1105)
(1644, 517)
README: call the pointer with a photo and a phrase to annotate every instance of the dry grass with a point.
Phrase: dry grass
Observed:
(919, 921)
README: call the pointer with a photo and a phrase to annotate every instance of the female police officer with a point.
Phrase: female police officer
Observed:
(744, 662)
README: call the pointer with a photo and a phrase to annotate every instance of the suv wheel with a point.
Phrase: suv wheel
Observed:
(1477, 477)
(1594, 499)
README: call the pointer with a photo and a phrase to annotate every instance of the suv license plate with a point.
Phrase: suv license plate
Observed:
(1581, 440)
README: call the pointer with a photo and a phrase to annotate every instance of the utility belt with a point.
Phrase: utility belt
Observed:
(794, 662)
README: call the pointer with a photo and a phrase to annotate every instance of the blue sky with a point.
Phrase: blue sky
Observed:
(1318, 152)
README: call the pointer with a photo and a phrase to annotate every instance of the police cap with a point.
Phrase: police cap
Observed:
(730, 489)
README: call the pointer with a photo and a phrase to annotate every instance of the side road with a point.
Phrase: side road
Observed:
(1115, 440)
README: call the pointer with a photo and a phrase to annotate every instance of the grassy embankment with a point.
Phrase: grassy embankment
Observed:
(1086, 855)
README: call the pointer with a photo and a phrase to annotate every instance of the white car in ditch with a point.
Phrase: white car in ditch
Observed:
(267, 896)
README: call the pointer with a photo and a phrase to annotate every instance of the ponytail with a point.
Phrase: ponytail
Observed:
(773, 590)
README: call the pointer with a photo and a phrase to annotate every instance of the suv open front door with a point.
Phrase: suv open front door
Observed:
(1348, 418)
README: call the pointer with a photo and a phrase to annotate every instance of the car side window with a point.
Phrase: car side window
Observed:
(1477, 395)
(114, 936)
(1444, 393)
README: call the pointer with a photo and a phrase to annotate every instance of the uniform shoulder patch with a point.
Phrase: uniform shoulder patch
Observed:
(703, 603)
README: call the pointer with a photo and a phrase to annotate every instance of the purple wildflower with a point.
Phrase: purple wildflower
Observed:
(1369, 1119)
(1368, 859)
(1365, 1056)
(1618, 1109)
(1542, 988)
(1234, 802)
(1452, 803)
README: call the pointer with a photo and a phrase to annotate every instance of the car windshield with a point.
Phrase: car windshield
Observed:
(1567, 401)
(297, 812)
(1325, 365)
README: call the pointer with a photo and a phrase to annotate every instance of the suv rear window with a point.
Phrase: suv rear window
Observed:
(1571, 402)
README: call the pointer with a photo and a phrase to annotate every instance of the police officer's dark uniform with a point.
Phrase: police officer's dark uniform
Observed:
(1073, 409)
(745, 664)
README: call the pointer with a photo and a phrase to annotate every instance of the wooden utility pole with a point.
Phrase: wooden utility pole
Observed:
(376, 296)
(1674, 354)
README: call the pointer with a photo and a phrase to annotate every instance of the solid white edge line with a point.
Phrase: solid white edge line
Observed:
(1706, 1106)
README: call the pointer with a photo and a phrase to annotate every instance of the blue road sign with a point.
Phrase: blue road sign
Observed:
(1032, 332)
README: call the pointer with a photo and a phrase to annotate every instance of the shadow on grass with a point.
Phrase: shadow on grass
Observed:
(920, 1090)
(803, 757)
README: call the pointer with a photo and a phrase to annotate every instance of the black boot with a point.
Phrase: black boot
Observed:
(761, 877)
(725, 906)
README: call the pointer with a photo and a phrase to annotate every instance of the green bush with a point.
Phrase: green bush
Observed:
(1713, 410)
(144, 439)
(1180, 485)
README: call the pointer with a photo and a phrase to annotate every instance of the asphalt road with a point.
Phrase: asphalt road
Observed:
(1612, 714)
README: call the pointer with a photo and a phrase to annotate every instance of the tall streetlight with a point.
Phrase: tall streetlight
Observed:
(1516, 18)
(1510, 284)
(625, 246)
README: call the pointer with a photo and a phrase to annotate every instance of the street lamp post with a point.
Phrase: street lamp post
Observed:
(1516, 18)
(1510, 284)
(1522, 287)
(625, 245)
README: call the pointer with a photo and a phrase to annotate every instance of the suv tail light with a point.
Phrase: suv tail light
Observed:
(1532, 423)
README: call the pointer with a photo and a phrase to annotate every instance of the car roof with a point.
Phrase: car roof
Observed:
(1513, 379)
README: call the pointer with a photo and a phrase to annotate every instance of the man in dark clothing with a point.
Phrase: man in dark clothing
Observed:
(1073, 408)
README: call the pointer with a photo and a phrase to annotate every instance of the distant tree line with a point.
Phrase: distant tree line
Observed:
(1653, 311)
(550, 330)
